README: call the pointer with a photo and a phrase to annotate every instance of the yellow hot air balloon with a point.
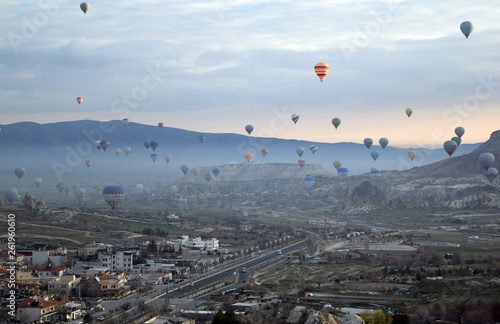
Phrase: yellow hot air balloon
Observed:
(412, 155)
(321, 69)
(408, 112)
(248, 156)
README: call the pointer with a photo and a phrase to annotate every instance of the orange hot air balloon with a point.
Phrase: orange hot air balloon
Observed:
(79, 100)
(248, 156)
(321, 69)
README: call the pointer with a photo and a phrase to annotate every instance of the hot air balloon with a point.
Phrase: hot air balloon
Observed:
(11, 195)
(491, 174)
(343, 172)
(67, 188)
(374, 173)
(248, 156)
(249, 129)
(321, 69)
(153, 145)
(139, 187)
(374, 155)
(98, 145)
(104, 144)
(486, 160)
(125, 121)
(19, 171)
(300, 151)
(466, 27)
(337, 164)
(37, 182)
(408, 112)
(85, 6)
(195, 171)
(147, 145)
(459, 131)
(168, 158)
(264, 151)
(60, 187)
(216, 172)
(309, 181)
(184, 169)
(118, 151)
(173, 189)
(88, 163)
(295, 118)
(160, 124)
(368, 142)
(313, 148)
(79, 100)
(201, 138)
(127, 150)
(301, 163)
(113, 195)
(208, 177)
(383, 142)
(79, 194)
(154, 156)
(336, 122)
(457, 140)
(450, 147)
(412, 155)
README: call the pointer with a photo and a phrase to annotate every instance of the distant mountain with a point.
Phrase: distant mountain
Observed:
(57, 152)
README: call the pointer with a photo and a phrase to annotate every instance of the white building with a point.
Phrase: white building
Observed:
(198, 243)
(117, 260)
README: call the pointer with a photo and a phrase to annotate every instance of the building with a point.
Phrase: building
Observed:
(90, 251)
(108, 286)
(117, 260)
(66, 285)
(49, 272)
(198, 243)
(39, 254)
(37, 310)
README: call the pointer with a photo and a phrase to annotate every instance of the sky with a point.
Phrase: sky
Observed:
(214, 66)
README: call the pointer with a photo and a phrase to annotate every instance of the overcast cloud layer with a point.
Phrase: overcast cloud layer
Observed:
(217, 65)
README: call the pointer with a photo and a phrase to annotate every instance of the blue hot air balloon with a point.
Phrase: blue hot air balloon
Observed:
(309, 181)
(113, 195)
(249, 129)
(147, 144)
(343, 172)
(216, 172)
(153, 145)
(154, 156)
(368, 142)
(491, 174)
(383, 142)
(374, 155)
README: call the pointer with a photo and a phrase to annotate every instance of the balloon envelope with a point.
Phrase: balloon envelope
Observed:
(337, 164)
(38, 182)
(264, 151)
(450, 147)
(88, 163)
(408, 112)
(459, 131)
(301, 163)
(127, 150)
(295, 118)
(321, 69)
(147, 144)
(154, 156)
(118, 151)
(184, 169)
(412, 155)
(383, 142)
(343, 172)
(249, 129)
(368, 142)
(248, 156)
(208, 177)
(153, 145)
(104, 144)
(309, 181)
(113, 195)
(486, 160)
(19, 171)
(466, 27)
(336, 122)
(300, 151)
(125, 121)
(201, 138)
(85, 7)
(160, 124)
(79, 100)
(216, 171)
(313, 148)
(79, 194)
(374, 155)
(491, 174)
(168, 158)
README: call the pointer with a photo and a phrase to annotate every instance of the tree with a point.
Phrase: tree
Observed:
(227, 317)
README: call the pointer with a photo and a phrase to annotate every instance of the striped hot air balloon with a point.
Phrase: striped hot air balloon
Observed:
(321, 69)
